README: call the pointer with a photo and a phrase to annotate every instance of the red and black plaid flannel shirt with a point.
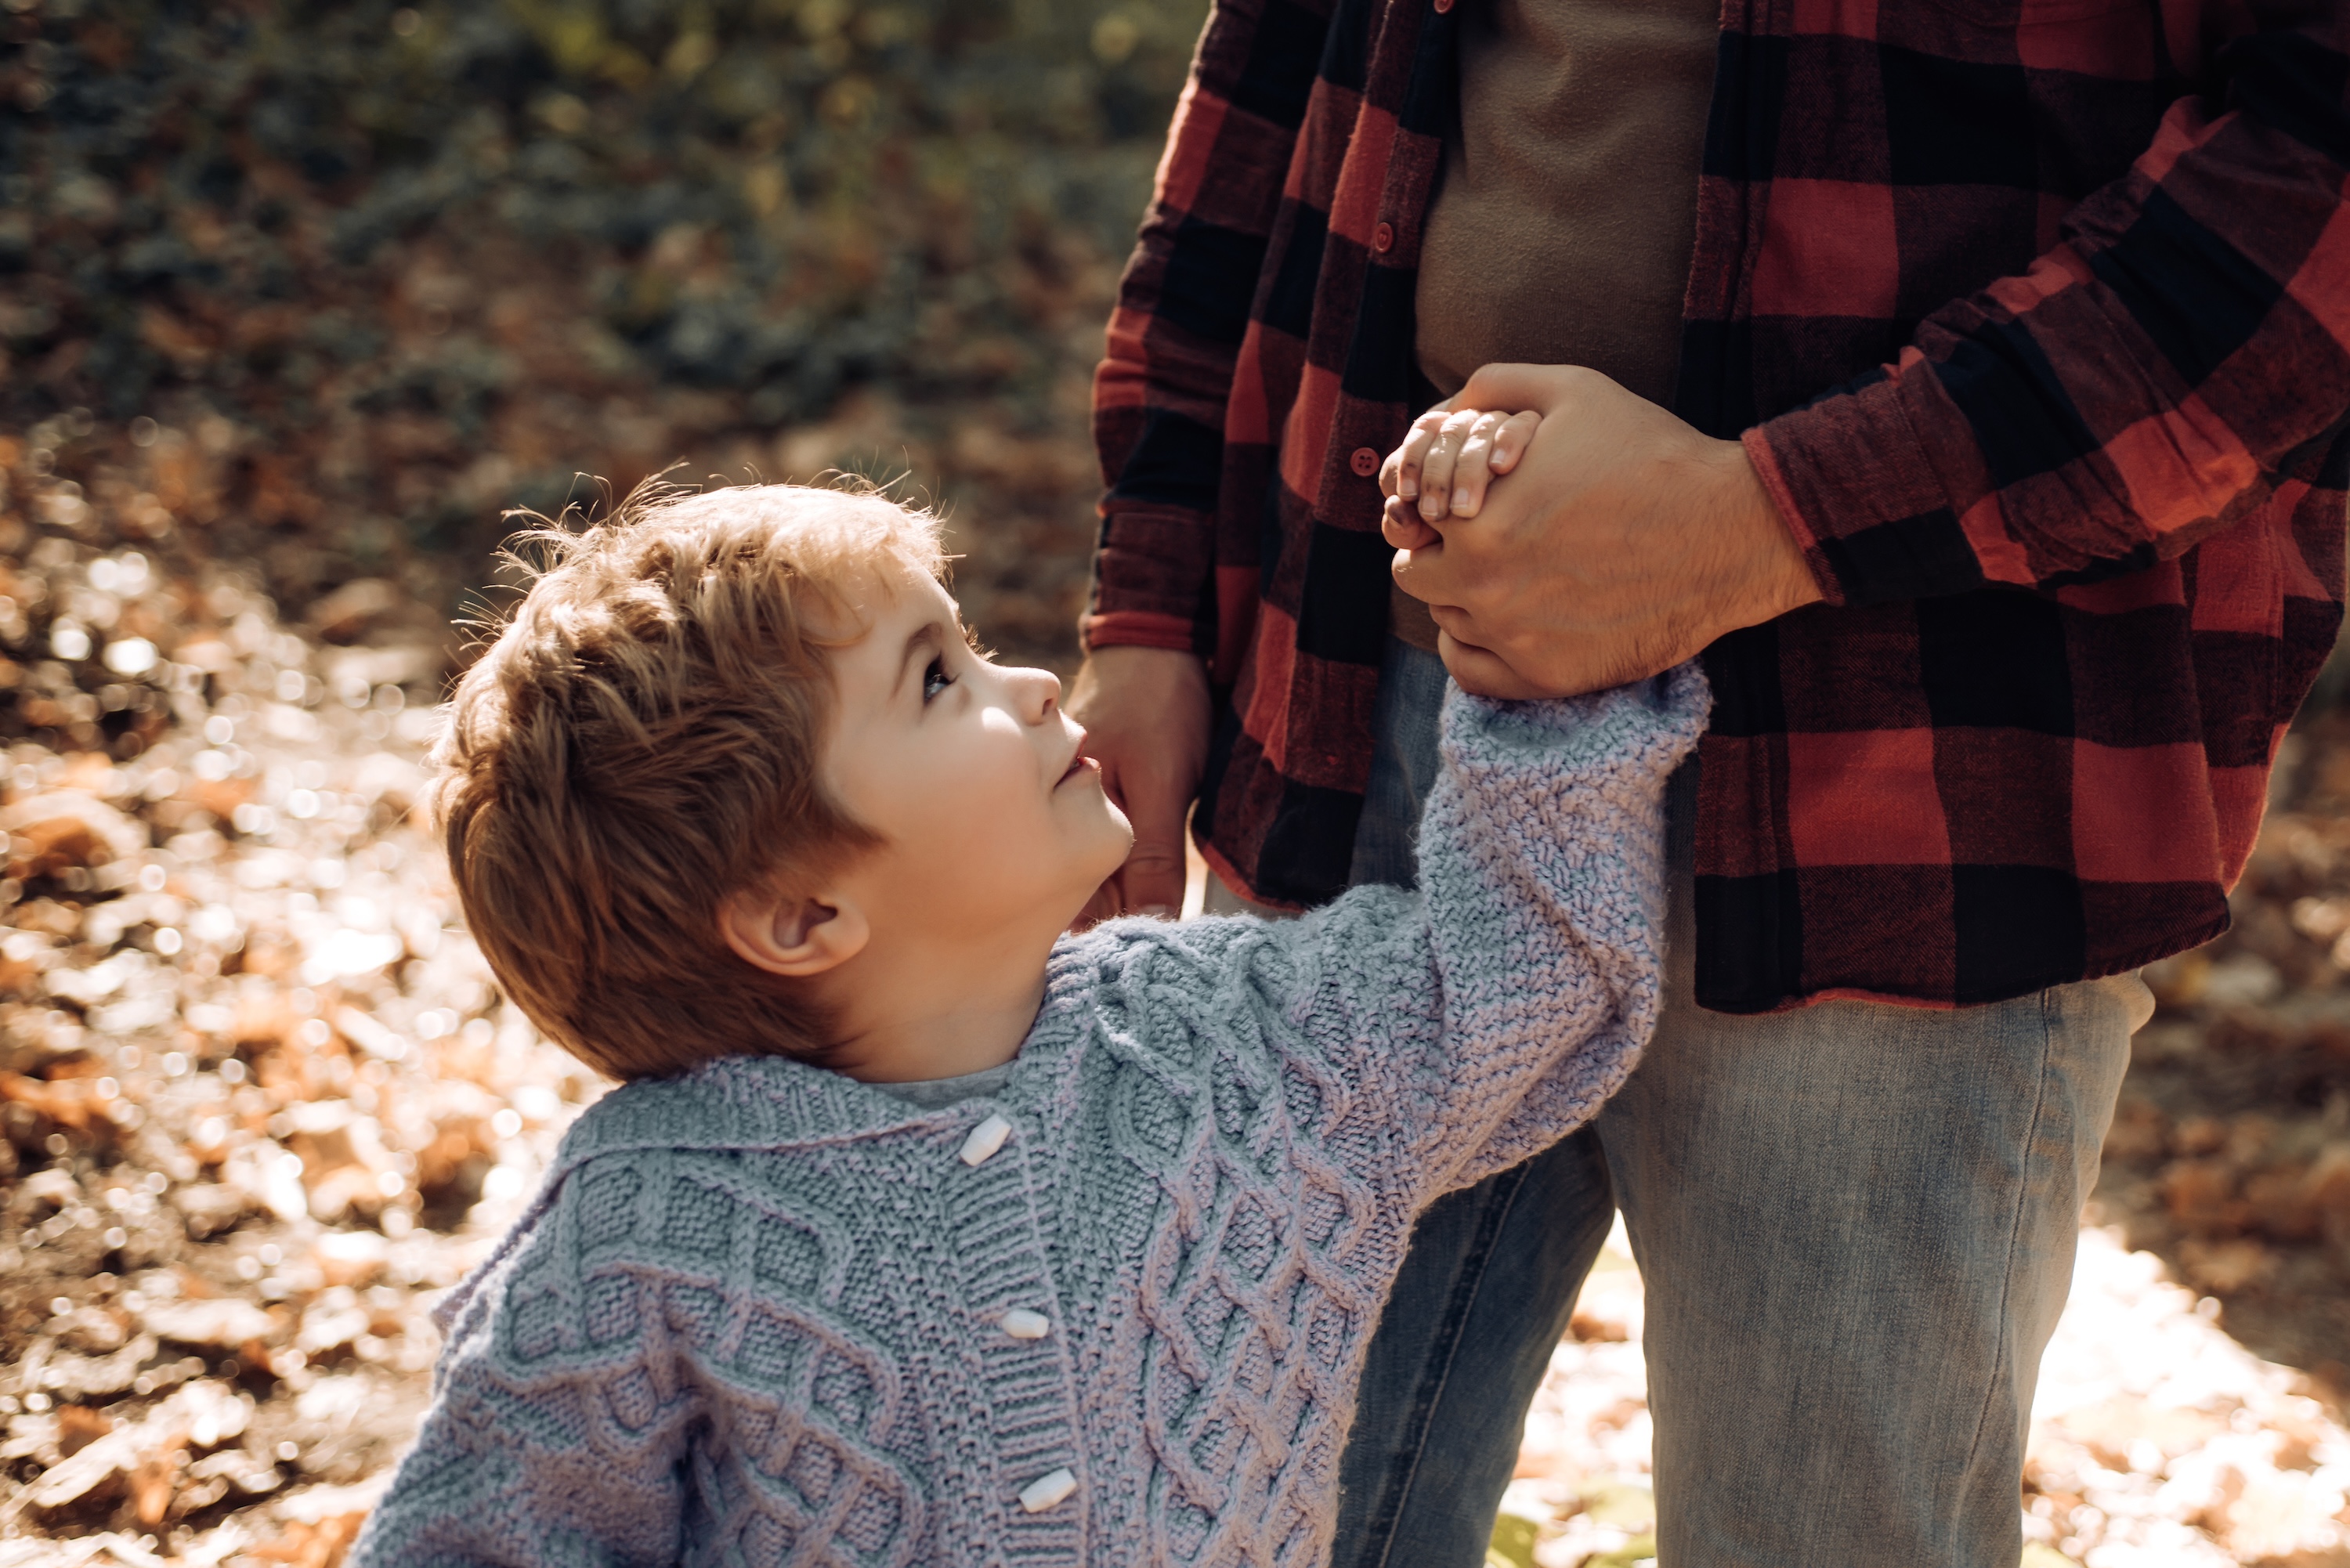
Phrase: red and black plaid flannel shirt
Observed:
(2034, 315)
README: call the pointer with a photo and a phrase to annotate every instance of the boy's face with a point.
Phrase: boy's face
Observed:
(994, 823)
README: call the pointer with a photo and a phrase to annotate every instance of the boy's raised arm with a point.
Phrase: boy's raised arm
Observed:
(1543, 861)
(1499, 1009)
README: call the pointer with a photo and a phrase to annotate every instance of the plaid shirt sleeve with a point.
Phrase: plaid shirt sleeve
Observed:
(2169, 367)
(1163, 389)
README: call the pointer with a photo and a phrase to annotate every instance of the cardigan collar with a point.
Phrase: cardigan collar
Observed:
(777, 1103)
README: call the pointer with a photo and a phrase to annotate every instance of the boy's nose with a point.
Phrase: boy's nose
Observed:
(1040, 691)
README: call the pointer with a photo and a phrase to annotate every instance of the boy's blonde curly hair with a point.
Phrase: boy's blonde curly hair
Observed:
(642, 738)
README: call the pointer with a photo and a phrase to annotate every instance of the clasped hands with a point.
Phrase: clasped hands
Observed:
(1622, 543)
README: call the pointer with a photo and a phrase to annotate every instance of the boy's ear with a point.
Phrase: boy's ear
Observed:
(790, 933)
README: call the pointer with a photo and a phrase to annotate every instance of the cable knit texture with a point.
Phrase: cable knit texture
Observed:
(757, 1315)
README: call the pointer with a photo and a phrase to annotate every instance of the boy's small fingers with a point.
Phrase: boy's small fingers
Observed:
(1403, 529)
(1414, 452)
(1435, 475)
(1469, 469)
(1436, 469)
(1436, 479)
(1511, 441)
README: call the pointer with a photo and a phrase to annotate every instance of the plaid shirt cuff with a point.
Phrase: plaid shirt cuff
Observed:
(1850, 476)
(1153, 573)
(1137, 629)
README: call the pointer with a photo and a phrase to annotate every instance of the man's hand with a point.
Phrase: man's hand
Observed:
(1623, 542)
(1146, 715)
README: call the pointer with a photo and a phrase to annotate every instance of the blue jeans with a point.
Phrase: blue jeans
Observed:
(1856, 1224)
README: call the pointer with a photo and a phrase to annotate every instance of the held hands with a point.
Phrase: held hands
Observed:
(1625, 542)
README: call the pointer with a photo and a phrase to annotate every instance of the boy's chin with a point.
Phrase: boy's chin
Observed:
(1116, 835)
(1098, 869)
(1101, 861)
(1113, 811)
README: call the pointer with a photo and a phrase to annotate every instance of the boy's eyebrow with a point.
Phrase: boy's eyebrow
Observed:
(928, 638)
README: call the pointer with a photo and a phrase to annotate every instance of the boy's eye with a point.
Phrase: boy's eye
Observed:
(935, 679)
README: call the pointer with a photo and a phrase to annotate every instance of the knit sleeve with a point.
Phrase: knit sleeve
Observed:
(1535, 948)
(541, 1446)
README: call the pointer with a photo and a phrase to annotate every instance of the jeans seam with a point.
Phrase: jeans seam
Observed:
(2005, 1354)
(1490, 1231)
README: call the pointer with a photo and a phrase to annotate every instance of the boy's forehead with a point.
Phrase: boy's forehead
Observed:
(885, 596)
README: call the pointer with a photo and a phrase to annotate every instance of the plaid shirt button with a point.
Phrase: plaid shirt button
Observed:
(1366, 461)
(1383, 238)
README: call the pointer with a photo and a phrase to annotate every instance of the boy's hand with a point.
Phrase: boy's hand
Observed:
(1444, 465)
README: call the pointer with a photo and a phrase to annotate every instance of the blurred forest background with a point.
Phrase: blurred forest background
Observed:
(372, 274)
(296, 301)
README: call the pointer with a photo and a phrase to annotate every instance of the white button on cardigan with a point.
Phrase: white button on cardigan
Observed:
(985, 1139)
(1022, 1324)
(1047, 1489)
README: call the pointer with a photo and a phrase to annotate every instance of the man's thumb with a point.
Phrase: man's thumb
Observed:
(1512, 389)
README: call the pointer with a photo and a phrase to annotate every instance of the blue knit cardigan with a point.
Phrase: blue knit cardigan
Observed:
(1114, 1315)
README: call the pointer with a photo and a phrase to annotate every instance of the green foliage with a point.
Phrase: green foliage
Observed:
(1513, 1545)
(1640, 1552)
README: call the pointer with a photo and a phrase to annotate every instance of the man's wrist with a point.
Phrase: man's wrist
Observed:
(1165, 670)
(1780, 574)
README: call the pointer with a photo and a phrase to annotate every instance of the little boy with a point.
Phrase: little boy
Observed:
(920, 1231)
